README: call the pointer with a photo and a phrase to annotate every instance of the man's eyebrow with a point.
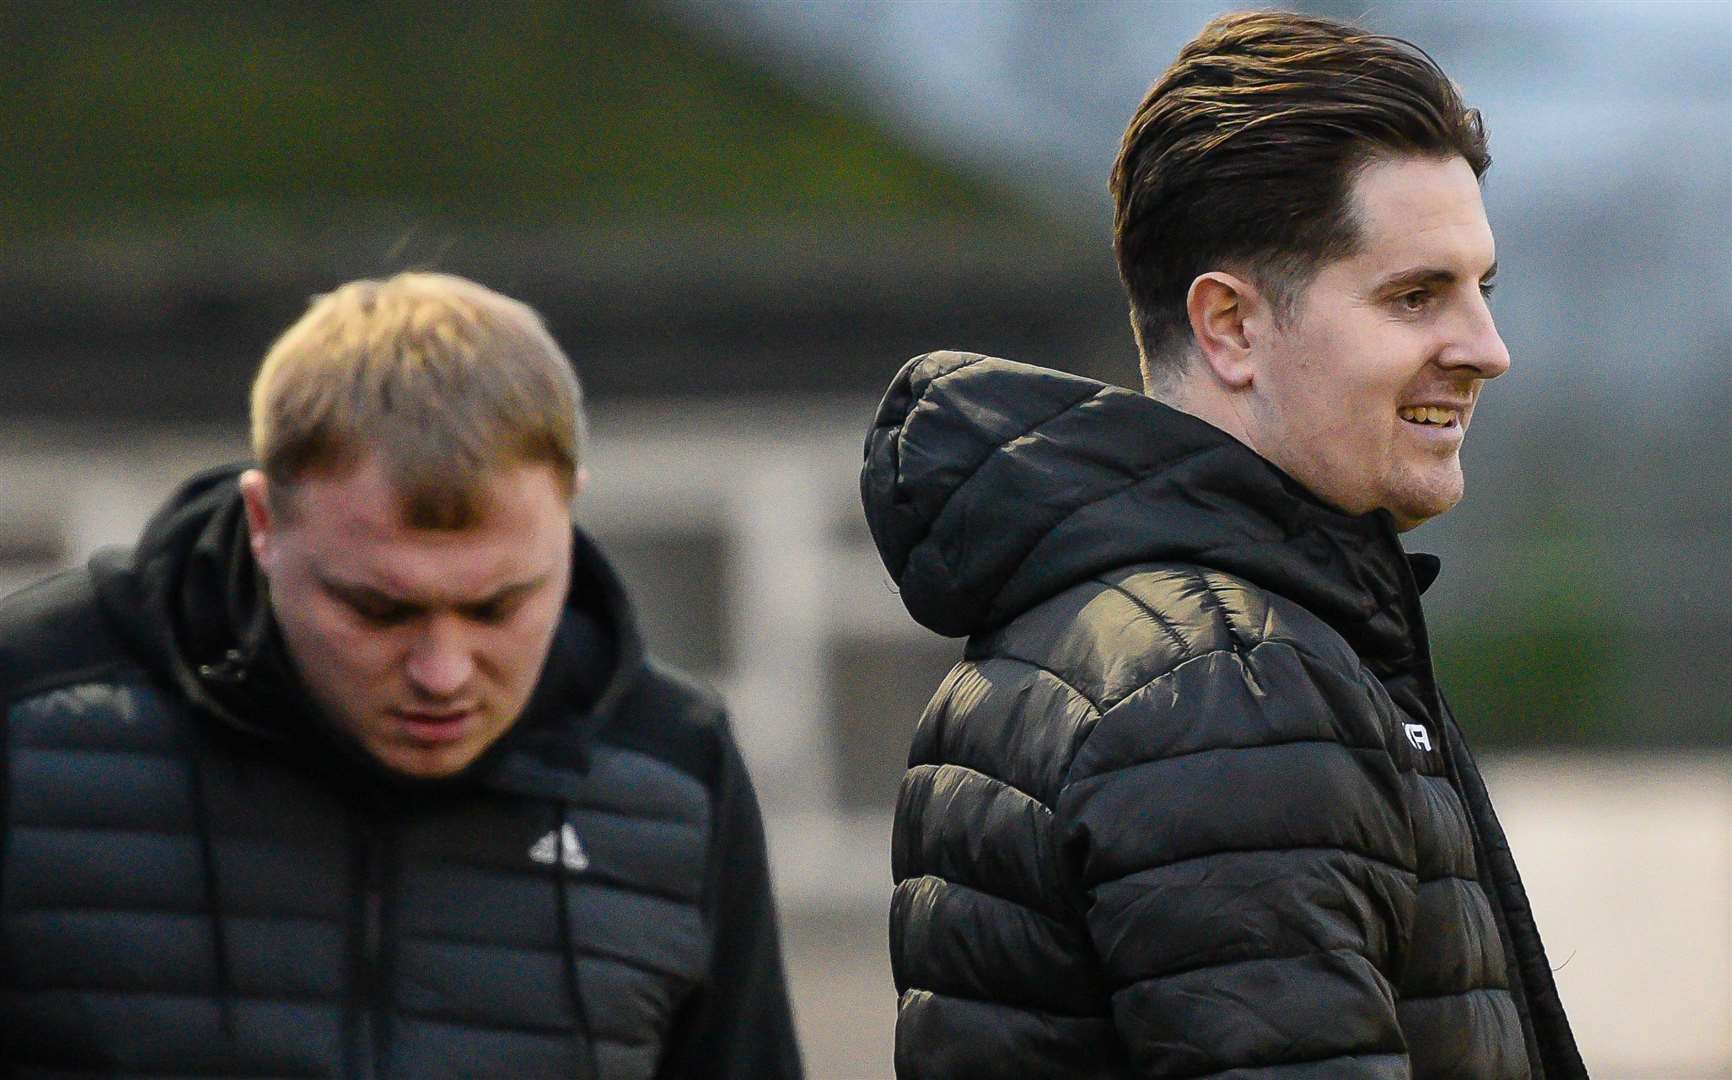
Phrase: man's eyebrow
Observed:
(1428, 276)
(509, 592)
(352, 590)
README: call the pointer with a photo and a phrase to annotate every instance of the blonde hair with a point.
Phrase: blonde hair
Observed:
(445, 379)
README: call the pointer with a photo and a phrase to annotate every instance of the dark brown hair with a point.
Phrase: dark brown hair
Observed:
(1243, 157)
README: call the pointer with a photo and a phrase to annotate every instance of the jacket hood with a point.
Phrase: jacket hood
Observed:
(990, 486)
(192, 604)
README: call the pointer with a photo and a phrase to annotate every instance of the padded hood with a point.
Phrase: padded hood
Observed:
(990, 486)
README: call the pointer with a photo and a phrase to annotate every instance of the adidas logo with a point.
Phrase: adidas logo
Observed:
(563, 847)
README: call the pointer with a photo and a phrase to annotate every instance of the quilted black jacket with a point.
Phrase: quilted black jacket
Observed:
(197, 878)
(1191, 805)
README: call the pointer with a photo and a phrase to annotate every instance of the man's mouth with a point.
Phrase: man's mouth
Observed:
(1430, 416)
(434, 726)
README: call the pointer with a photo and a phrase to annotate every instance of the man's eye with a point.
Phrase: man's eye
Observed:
(490, 613)
(1414, 301)
(1486, 288)
(382, 614)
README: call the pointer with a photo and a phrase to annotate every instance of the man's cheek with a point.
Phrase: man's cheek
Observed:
(360, 661)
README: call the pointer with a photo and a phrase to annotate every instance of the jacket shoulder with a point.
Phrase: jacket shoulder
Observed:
(1117, 632)
(671, 716)
(54, 632)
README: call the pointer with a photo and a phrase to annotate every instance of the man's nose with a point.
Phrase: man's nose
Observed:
(1478, 346)
(440, 661)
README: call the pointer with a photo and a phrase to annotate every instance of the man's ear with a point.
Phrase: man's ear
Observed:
(1222, 308)
(261, 523)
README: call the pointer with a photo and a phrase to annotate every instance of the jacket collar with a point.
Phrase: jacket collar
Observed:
(990, 486)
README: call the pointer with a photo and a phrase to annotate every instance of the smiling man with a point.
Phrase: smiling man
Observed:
(356, 767)
(1193, 804)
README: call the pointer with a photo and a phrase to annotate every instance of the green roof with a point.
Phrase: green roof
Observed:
(129, 113)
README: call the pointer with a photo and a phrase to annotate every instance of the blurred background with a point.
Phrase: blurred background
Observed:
(741, 216)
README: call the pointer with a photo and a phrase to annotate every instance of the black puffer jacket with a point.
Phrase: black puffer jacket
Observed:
(198, 878)
(1191, 805)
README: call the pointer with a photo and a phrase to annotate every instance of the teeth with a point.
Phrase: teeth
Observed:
(1428, 415)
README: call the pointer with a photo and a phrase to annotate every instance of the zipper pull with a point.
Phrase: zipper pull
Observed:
(231, 671)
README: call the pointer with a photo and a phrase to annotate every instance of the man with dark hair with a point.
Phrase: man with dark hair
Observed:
(1192, 804)
(355, 766)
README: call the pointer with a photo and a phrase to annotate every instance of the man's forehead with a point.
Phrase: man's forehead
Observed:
(366, 499)
(355, 530)
(433, 568)
(1421, 208)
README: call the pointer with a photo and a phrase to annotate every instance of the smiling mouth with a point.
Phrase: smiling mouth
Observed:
(1426, 416)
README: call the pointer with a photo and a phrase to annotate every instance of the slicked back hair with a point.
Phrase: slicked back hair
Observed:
(446, 380)
(1243, 156)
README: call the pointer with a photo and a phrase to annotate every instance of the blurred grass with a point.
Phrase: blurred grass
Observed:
(1553, 685)
(1549, 667)
(518, 111)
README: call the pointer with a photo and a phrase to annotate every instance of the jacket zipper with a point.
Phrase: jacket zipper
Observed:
(369, 996)
(1436, 711)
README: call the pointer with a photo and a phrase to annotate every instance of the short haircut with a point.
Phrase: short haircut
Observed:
(445, 379)
(1243, 156)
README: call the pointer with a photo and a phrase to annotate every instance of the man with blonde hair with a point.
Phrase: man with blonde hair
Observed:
(355, 765)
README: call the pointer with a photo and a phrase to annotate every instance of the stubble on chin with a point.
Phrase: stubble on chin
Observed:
(1417, 499)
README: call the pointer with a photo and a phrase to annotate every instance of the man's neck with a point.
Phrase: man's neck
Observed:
(1210, 407)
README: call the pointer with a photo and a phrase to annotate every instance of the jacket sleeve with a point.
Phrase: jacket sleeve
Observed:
(1245, 863)
(738, 1024)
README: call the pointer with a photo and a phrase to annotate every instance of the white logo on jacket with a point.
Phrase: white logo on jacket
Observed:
(561, 846)
(1416, 734)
